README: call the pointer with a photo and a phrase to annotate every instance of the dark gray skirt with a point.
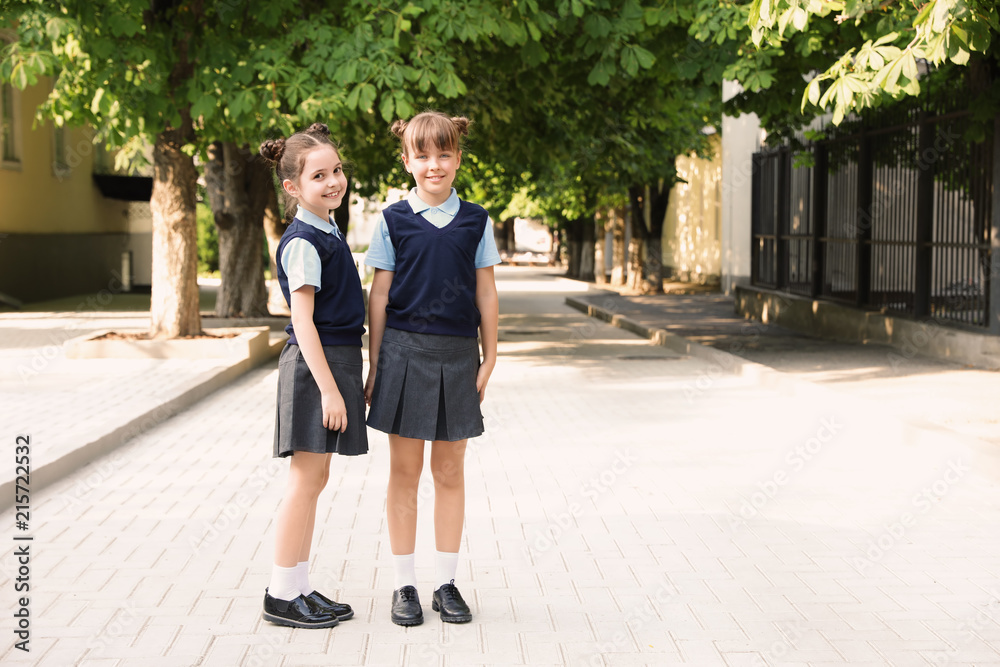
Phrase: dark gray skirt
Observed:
(298, 425)
(425, 387)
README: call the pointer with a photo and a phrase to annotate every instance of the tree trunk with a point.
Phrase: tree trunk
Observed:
(508, 228)
(586, 248)
(237, 189)
(600, 233)
(574, 241)
(500, 237)
(637, 244)
(555, 258)
(342, 214)
(659, 199)
(174, 300)
(274, 227)
(617, 246)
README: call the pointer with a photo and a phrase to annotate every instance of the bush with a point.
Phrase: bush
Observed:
(208, 240)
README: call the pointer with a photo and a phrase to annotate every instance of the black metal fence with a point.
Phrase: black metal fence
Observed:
(895, 214)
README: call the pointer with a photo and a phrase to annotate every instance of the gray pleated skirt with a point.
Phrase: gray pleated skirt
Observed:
(425, 387)
(298, 425)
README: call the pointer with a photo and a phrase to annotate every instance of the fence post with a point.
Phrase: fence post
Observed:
(756, 197)
(994, 265)
(924, 237)
(864, 221)
(782, 224)
(821, 176)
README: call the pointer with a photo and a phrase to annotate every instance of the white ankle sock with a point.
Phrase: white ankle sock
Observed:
(284, 583)
(302, 577)
(445, 567)
(405, 570)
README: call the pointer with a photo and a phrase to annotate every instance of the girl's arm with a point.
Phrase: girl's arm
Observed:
(378, 299)
(334, 410)
(489, 310)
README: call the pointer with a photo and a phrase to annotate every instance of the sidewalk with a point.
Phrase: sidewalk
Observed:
(927, 391)
(629, 505)
(77, 410)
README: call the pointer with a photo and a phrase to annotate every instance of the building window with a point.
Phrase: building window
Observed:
(8, 126)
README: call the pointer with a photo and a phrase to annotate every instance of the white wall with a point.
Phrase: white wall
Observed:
(741, 138)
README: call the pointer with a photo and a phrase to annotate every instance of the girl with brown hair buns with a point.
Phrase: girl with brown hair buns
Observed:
(320, 404)
(432, 295)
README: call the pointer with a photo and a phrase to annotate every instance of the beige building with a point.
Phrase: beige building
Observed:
(692, 229)
(63, 230)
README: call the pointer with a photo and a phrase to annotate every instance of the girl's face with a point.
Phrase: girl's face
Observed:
(433, 171)
(322, 184)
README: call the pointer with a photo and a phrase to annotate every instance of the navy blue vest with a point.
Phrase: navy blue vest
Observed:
(434, 285)
(339, 310)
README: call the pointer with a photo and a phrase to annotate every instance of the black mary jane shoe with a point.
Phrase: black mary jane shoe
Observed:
(324, 604)
(449, 602)
(297, 613)
(406, 607)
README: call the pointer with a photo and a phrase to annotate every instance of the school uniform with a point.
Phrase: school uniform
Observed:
(313, 252)
(425, 384)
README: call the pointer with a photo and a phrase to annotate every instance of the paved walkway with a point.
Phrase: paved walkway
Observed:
(628, 506)
(900, 381)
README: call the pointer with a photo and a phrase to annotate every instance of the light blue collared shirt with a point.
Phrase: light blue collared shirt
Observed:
(382, 255)
(300, 259)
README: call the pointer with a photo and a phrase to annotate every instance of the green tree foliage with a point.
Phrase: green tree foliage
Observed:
(874, 50)
(182, 75)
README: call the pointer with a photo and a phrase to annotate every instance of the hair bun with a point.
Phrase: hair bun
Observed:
(461, 124)
(398, 128)
(319, 128)
(273, 149)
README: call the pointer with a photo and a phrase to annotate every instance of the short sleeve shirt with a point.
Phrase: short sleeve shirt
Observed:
(300, 259)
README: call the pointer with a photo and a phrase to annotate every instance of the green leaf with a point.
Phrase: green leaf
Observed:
(385, 108)
(353, 97)
(629, 62)
(646, 58)
(812, 94)
(204, 107)
(95, 104)
(599, 75)
(366, 96)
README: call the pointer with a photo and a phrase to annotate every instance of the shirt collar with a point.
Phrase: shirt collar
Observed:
(450, 206)
(319, 223)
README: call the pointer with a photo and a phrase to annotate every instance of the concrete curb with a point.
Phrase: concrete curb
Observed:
(671, 341)
(197, 389)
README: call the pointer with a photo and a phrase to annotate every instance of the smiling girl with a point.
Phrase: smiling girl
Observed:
(321, 408)
(433, 293)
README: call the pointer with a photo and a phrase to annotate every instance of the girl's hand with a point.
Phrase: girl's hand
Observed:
(483, 376)
(334, 411)
(370, 385)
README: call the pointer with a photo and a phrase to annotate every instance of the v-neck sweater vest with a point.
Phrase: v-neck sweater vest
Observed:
(339, 306)
(434, 285)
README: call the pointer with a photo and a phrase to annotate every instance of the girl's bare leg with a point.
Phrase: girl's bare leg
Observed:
(448, 468)
(406, 462)
(307, 537)
(307, 474)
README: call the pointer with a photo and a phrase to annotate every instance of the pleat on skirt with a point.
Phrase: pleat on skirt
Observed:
(425, 387)
(298, 424)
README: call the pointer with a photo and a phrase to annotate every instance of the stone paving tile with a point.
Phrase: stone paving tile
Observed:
(615, 517)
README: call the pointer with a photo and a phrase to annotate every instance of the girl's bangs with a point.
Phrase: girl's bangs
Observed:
(435, 131)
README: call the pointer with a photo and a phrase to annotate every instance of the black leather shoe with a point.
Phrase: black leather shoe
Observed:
(406, 607)
(297, 613)
(449, 602)
(327, 606)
